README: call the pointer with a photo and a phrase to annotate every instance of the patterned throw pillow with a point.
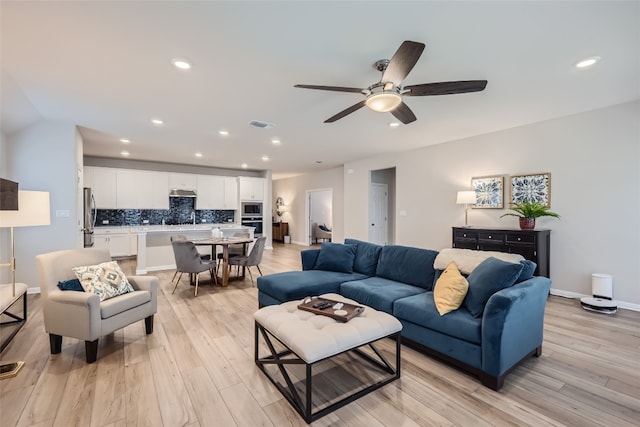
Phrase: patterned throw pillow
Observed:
(105, 280)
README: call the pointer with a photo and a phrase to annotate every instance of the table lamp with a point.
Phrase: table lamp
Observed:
(466, 198)
(33, 210)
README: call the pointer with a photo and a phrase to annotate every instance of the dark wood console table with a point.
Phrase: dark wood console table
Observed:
(279, 230)
(534, 245)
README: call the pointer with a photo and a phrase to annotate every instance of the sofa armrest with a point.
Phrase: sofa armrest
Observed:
(512, 324)
(72, 314)
(144, 283)
(309, 258)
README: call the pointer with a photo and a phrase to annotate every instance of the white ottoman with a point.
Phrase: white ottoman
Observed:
(312, 338)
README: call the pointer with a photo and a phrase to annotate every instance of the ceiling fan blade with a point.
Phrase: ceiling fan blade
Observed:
(402, 62)
(446, 88)
(346, 112)
(332, 88)
(403, 113)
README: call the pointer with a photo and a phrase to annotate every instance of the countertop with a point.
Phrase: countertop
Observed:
(170, 228)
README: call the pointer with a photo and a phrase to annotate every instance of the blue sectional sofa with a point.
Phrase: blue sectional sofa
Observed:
(487, 339)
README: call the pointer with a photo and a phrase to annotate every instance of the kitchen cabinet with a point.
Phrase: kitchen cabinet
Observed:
(103, 185)
(231, 192)
(142, 189)
(251, 189)
(183, 181)
(210, 191)
(117, 240)
(533, 245)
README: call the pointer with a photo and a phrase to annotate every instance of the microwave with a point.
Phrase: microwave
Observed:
(251, 209)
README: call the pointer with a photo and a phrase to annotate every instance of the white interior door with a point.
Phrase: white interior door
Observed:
(378, 205)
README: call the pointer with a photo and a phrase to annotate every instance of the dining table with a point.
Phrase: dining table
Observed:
(225, 242)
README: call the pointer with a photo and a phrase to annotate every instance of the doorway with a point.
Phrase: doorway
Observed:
(319, 210)
(381, 224)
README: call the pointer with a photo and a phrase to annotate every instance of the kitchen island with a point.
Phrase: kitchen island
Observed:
(154, 242)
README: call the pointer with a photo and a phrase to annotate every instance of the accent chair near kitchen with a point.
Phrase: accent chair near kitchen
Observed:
(77, 303)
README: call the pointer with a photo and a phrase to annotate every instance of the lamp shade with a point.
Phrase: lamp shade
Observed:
(466, 197)
(33, 209)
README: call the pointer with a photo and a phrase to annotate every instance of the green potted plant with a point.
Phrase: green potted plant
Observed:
(528, 212)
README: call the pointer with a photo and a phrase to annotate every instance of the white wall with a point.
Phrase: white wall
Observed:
(4, 233)
(594, 161)
(43, 157)
(292, 191)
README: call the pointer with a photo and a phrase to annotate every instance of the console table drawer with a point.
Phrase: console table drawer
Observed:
(465, 234)
(490, 237)
(521, 238)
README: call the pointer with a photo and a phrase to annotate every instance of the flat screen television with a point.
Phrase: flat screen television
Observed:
(8, 195)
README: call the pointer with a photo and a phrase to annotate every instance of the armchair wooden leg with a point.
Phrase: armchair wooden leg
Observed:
(91, 350)
(148, 324)
(196, 293)
(55, 342)
(259, 271)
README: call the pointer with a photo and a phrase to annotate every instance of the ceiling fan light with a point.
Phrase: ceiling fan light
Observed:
(383, 101)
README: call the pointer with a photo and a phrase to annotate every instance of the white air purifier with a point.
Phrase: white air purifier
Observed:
(602, 299)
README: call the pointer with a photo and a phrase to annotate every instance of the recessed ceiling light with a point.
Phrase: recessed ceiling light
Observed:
(157, 122)
(223, 132)
(125, 140)
(276, 141)
(587, 62)
(183, 64)
(318, 162)
(244, 166)
(124, 153)
(394, 124)
(198, 154)
(265, 158)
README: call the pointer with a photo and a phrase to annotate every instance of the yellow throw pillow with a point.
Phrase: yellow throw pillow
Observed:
(450, 290)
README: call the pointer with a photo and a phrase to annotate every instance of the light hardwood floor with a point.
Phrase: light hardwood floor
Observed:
(197, 369)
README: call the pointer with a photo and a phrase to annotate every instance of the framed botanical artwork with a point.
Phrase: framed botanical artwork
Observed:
(531, 188)
(489, 192)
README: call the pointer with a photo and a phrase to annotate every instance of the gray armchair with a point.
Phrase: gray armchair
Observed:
(82, 315)
(318, 233)
(188, 260)
(253, 259)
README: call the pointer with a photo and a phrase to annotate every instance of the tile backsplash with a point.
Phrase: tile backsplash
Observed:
(179, 212)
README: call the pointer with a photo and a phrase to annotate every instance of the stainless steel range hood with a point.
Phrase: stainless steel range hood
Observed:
(178, 192)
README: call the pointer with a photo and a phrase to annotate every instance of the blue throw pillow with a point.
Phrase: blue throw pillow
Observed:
(490, 276)
(336, 257)
(528, 268)
(71, 285)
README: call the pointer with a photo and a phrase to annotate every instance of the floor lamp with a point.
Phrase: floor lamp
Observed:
(33, 210)
(466, 198)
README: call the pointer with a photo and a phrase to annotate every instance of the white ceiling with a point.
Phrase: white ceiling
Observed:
(105, 66)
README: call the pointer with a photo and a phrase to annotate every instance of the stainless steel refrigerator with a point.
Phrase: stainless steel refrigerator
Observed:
(89, 217)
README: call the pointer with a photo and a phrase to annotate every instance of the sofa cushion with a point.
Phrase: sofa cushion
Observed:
(421, 310)
(367, 255)
(336, 257)
(528, 268)
(413, 266)
(378, 292)
(292, 285)
(450, 290)
(468, 259)
(486, 279)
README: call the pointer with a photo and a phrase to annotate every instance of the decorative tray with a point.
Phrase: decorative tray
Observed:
(324, 307)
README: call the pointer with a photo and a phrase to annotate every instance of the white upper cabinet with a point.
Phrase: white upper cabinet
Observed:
(251, 189)
(159, 192)
(103, 185)
(210, 192)
(230, 192)
(183, 181)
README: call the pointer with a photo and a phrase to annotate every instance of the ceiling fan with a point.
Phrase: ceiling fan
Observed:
(386, 95)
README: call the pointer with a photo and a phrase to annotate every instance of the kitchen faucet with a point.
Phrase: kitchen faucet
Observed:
(193, 217)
